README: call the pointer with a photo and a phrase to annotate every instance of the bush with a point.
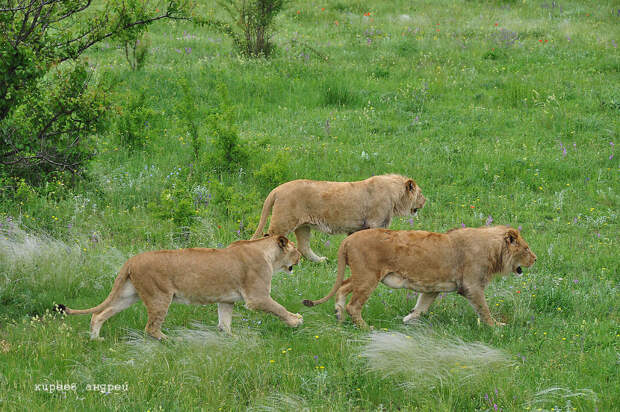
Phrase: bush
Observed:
(229, 153)
(190, 116)
(136, 50)
(273, 172)
(337, 94)
(132, 124)
(249, 24)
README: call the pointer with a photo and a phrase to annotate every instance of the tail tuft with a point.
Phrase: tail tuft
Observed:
(60, 308)
(308, 302)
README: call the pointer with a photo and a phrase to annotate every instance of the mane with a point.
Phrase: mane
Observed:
(498, 257)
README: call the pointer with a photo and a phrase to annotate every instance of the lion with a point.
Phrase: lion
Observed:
(337, 207)
(462, 260)
(242, 271)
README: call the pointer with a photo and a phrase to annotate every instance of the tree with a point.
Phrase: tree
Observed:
(48, 104)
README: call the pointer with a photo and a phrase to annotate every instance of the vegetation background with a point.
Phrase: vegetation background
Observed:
(504, 112)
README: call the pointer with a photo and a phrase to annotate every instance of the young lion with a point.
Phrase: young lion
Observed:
(462, 260)
(337, 207)
(242, 271)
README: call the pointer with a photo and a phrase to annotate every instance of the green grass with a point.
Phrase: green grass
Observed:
(475, 100)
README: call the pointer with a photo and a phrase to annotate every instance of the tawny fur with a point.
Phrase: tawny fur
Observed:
(337, 207)
(242, 271)
(462, 260)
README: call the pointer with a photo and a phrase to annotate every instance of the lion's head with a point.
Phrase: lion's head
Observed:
(517, 252)
(411, 200)
(289, 255)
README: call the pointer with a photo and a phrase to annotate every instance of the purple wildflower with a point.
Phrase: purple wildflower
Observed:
(327, 243)
(575, 281)
(520, 228)
(410, 222)
(611, 156)
(463, 224)
(489, 220)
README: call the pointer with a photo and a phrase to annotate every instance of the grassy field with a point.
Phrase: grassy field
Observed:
(504, 112)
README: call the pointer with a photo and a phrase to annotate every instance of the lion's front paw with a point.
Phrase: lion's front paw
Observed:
(411, 318)
(296, 320)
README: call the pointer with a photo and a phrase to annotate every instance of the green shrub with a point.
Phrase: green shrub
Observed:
(274, 172)
(337, 94)
(249, 24)
(228, 152)
(132, 124)
(136, 49)
(190, 116)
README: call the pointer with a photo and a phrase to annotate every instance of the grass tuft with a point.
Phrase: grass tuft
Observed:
(423, 358)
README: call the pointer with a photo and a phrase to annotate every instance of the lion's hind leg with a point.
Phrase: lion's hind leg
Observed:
(363, 288)
(157, 309)
(303, 244)
(341, 299)
(126, 297)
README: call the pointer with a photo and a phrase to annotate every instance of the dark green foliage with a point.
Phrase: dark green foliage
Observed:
(249, 24)
(189, 114)
(136, 50)
(48, 109)
(274, 172)
(228, 153)
(132, 124)
(337, 94)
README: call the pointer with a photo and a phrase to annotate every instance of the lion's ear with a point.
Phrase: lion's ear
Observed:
(410, 185)
(282, 241)
(511, 236)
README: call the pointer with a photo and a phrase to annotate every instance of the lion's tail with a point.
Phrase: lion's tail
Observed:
(342, 266)
(269, 201)
(122, 277)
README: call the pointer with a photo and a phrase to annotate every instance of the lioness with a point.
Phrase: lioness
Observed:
(242, 271)
(462, 260)
(337, 207)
